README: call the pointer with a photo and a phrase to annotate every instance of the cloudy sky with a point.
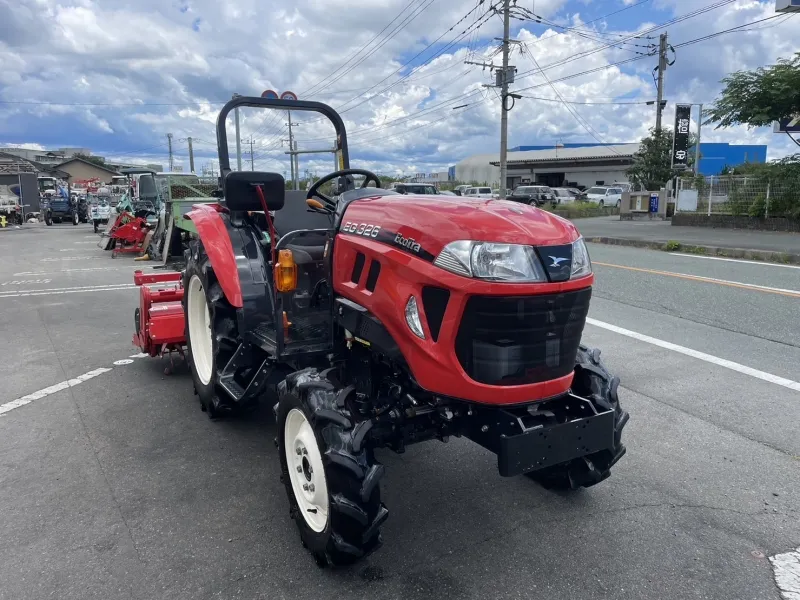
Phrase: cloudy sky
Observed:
(117, 75)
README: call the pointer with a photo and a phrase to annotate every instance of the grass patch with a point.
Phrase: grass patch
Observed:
(581, 210)
(694, 249)
(672, 246)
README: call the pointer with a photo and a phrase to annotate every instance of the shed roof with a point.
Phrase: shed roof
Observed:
(558, 154)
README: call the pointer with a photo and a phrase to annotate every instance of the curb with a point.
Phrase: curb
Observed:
(721, 251)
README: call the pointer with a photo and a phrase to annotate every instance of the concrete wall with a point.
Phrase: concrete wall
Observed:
(80, 170)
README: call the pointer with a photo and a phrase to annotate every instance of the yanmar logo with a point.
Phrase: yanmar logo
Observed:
(407, 243)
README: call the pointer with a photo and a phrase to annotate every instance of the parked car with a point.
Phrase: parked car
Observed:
(496, 193)
(565, 195)
(461, 190)
(447, 193)
(623, 185)
(479, 192)
(604, 196)
(419, 189)
(537, 195)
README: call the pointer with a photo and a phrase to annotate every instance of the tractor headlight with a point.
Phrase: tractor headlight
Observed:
(492, 261)
(413, 319)
(581, 264)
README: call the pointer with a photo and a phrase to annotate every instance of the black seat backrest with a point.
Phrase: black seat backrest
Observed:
(295, 216)
(241, 195)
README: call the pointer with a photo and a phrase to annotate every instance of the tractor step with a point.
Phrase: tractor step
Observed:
(242, 359)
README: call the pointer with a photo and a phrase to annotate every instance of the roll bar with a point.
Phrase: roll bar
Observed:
(254, 101)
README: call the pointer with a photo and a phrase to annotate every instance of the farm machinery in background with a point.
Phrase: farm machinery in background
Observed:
(378, 320)
(58, 204)
(11, 211)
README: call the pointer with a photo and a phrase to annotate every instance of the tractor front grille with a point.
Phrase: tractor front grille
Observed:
(517, 340)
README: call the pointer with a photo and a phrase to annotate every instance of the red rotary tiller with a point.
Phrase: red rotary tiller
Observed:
(159, 318)
(127, 235)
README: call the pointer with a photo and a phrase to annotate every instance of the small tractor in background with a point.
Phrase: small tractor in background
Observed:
(58, 204)
(378, 320)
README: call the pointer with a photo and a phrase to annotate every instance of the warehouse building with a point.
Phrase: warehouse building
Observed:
(579, 166)
(586, 165)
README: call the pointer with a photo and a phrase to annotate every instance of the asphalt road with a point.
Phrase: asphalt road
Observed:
(664, 231)
(118, 486)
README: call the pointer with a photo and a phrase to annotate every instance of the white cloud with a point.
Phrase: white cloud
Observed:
(162, 56)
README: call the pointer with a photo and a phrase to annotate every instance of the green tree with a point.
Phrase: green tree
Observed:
(96, 160)
(757, 98)
(652, 164)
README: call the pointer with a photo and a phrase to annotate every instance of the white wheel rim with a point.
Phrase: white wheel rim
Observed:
(199, 330)
(306, 472)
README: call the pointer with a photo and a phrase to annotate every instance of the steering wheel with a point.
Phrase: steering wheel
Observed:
(314, 191)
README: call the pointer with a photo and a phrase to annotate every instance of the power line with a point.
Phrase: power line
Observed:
(408, 19)
(589, 52)
(581, 121)
(314, 88)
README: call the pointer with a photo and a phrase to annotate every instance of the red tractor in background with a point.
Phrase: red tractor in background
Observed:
(381, 320)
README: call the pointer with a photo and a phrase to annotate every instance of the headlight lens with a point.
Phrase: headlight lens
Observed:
(492, 261)
(581, 264)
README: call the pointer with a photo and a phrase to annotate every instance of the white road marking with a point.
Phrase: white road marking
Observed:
(120, 268)
(140, 355)
(57, 259)
(95, 243)
(721, 362)
(77, 290)
(787, 573)
(737, 260)
(25, 281)
(123, 361)
(9, 406)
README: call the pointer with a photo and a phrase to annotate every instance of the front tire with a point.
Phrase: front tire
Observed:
(211, 331)
(48, 219)
(592, 381)
(330, 474)
(76, 218)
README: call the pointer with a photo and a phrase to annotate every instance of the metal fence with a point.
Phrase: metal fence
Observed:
(737, 196)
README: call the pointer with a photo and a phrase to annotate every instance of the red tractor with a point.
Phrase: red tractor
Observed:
(382, 320)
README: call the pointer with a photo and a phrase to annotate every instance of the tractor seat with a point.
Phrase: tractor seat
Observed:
(295, 216)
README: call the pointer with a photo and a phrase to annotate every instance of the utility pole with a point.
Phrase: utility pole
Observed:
(171, 160)
(503, 96)
(662, 66)
(191, 156)
(238, 138)
(251, 141)
(293, 154)
(502, 79)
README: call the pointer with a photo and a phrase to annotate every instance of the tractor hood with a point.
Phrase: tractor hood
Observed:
(427, 224)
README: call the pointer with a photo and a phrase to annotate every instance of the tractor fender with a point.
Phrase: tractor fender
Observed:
(217, 243)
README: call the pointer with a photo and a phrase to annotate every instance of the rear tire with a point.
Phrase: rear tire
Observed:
(76, 218)
(593, 381)
(48, 219)
(601, 204)
(207, 350)
(96, 226)
(340, 517)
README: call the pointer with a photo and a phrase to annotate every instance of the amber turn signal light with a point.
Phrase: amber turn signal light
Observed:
(285, 272)
(315, 204)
